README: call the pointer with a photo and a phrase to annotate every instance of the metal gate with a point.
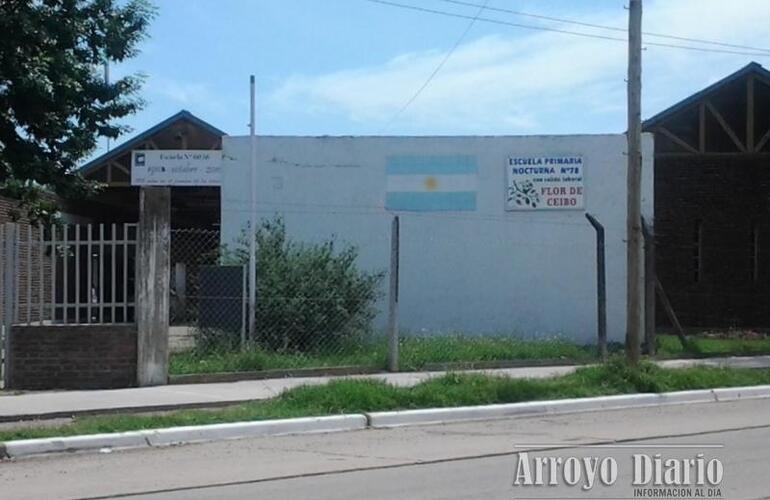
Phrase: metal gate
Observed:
(65, 274)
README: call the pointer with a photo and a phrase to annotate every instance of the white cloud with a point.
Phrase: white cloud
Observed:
(183, 93)
(519, 82)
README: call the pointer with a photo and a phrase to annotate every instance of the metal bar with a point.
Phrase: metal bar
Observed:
(2, 285)
(16, 274)
(601, 287)
(65, 269)
(77, 273)
(125, 273)
(649, 288)
(53, 273)
(750, 113)
(107, 304)
(134, 241)
(252, 211)
(3, 301)
(101, 273)
(89, 271)
(393, 297)
(112, 272)
(28, 305)
(244, 306)
(8, 292)
(41, 273)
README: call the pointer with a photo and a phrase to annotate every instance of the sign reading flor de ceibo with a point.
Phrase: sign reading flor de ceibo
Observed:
(183, 167)
(544, 183)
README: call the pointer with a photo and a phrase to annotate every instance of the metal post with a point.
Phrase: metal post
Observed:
(77, 273)
(633, 220)
(41, 274)
(9, 295)
(244, 308)
(29, 275)
(253, 213)
(601, 287)
(89, 272)
(649, 288)
(180, 285)
(393, 297)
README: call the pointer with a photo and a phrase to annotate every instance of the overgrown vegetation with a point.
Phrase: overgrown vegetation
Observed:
(415, 354)
(352, 396)
(313, 298)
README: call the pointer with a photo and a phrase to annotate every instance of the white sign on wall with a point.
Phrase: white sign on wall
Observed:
(544, 183)
(183, 167)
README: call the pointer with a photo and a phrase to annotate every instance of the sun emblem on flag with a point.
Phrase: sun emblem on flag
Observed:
(431, 183)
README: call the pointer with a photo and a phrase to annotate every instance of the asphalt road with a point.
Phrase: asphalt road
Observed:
(469, 460)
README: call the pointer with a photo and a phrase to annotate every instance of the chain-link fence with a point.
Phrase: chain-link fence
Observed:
(207, 298)
(315, 306)
(322, 293)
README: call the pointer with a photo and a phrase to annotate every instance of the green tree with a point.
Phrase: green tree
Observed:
(54, 102)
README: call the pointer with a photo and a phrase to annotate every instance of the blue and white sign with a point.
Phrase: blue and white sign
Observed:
(183, 167)
(544, 183)
(431, 183)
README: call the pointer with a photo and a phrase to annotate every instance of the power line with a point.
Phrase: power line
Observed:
(609, 28)
(440, 64)
(562, 31)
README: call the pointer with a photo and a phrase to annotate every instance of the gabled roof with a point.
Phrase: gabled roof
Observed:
(147, 134)
(751, 68)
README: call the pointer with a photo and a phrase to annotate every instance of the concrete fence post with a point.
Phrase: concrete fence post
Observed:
(152, 285)
(393, 297)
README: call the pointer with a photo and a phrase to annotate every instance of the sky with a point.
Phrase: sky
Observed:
(353, 67)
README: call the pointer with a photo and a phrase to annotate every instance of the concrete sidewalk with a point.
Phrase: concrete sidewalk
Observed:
(39, 405)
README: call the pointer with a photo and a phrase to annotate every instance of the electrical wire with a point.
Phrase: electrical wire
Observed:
(609, 28)
(439, 66)
(563, 31)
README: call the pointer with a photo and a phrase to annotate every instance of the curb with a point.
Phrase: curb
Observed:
(181, 435)
(306, 425)
(489, 412)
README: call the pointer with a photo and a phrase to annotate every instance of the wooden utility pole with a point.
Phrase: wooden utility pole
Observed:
(634, 215)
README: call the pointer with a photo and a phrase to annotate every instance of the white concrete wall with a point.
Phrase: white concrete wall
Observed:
(487, 271)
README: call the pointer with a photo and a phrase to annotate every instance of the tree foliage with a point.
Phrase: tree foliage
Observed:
(54, 101)
(310, 297)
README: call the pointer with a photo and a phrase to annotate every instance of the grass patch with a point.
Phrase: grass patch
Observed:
(417, 352)
(414, 352)
(670, 347)
(455, 389)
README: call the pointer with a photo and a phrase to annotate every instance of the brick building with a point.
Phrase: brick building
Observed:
(712, 202)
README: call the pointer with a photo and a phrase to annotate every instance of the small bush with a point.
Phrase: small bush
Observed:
(310, 297)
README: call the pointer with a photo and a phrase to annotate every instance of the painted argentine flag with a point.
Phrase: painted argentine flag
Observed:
(431, 183)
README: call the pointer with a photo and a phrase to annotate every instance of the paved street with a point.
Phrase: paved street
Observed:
(468, 460)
